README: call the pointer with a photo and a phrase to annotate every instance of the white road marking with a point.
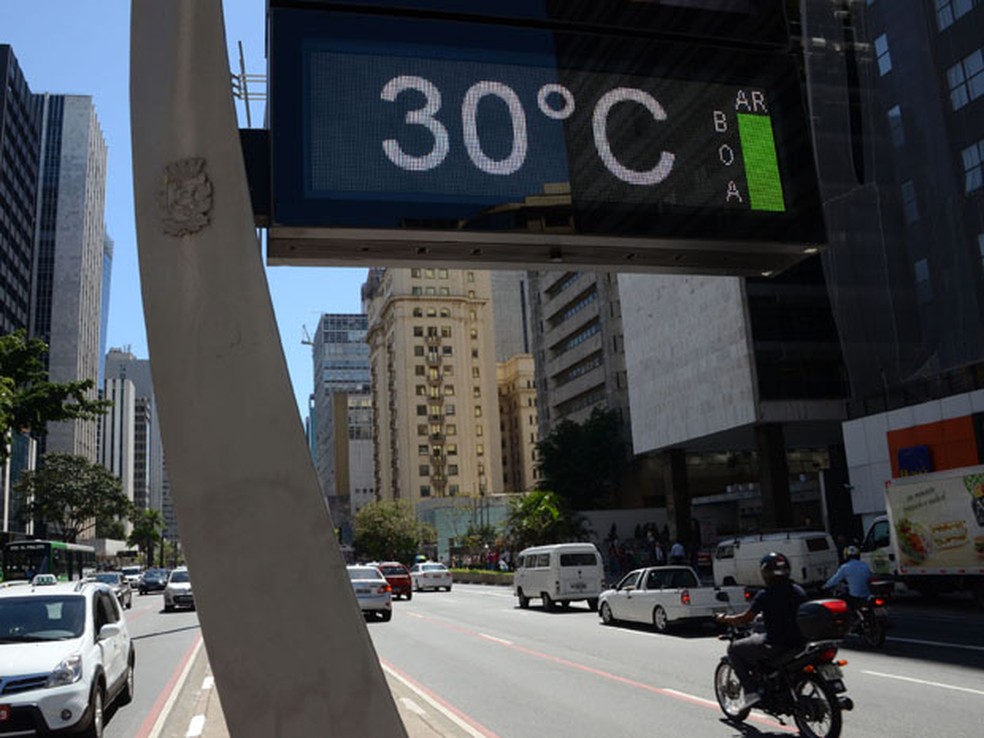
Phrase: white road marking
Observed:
(436, 705)
(196, 727)
(925, 682)
(412, 706)
(944, 644)
(497, 640)
(691, 697)
(208, 683)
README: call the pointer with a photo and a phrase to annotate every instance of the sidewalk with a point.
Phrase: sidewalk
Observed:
(197, 711)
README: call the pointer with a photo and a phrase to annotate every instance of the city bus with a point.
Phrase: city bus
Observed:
(67, 561)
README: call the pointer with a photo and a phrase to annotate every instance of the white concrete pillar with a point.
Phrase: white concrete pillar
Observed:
(286, 641)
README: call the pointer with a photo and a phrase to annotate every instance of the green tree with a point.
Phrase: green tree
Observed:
(387, 531)
(72, 493)
(28, 401)
(148, 526)
(540, 517)
(583, 463)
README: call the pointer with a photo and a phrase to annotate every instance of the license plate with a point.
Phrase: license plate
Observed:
(4, 712)
(579, 585)
(880, 612)
(830, 672)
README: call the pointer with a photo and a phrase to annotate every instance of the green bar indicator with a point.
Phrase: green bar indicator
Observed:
(758, 147)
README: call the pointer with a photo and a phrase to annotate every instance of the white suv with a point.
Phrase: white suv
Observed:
(65, 653)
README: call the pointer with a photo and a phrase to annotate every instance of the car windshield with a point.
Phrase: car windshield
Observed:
(49, 618)
(363, 572)
(433, 567)
(108, 578)
(393, 570)
(179, 577)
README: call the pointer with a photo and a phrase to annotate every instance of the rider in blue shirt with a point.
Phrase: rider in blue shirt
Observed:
(855, 573)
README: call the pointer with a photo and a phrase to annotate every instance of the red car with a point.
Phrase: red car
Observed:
(399, 578)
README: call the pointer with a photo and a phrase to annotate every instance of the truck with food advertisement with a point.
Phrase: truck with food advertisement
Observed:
(932, 538)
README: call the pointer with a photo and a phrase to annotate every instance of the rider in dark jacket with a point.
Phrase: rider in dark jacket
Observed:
(778, 603)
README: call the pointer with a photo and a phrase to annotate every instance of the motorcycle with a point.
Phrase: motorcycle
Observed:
(870, 621)
(869, 617)
(807, 684)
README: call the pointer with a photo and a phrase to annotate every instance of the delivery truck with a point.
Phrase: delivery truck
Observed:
(931, 538)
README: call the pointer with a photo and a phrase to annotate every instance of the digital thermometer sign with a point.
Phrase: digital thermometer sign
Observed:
(524, 144)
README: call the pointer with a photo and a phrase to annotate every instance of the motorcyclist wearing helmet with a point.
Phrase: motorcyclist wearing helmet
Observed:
(778, 603)
(856, 574)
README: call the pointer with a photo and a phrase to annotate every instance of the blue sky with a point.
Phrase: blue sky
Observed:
(83, 48)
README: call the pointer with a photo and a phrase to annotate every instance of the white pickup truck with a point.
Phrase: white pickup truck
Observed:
(664, 595)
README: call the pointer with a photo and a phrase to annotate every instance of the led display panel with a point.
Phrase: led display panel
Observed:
(527, 143)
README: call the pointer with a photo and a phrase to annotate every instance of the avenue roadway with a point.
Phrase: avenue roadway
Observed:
(503, 672)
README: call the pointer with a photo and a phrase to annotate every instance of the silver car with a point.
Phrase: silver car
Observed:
(374, 593)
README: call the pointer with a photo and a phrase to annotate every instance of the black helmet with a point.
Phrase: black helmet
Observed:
(774, 566)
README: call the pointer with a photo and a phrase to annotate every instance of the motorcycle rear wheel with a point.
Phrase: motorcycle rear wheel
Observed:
(729, 693)
(816, 710)
(873, 633)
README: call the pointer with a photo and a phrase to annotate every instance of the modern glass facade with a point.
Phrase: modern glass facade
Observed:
(20, 144)
(897, 102)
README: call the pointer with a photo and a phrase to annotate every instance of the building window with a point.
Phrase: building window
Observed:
(452, 490)
(418, 313)
(452, 470)
(472, 315)
(429, 274)
(421, 389)
(479, 431)
(966, 80)
(423, 450)
(424, 470)
(425, 490)
(452, 430)
(480, 451)
(452, 449)
(471, 276)
(471, 294)
(416, 291)
(924, 288)
(421, 409)
(473, 333)
(909, 205)
(415, 273)
(883, 55)
(895, 126)
(430, 291)
(478, 411)
(449, 410)
(475, 372)
(474, 353)
(446, 350)
(419, 370)
(444, 291)
(431, 312)
(948, 11)
(972, 157)
(445, 312)
(421, 430)
(449, 390)
(445, 331)
(476, 391)
(442, 273)
(418, 350)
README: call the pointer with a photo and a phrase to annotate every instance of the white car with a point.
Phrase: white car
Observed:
(664, 595)
(178, 592)
(65, 654)
(373, 592)
(430, 575)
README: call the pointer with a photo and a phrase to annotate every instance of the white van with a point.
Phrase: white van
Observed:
(812, 558)
(559, 573)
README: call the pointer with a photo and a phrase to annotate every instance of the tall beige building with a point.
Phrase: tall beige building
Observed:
(518, 422)
(432, 358)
